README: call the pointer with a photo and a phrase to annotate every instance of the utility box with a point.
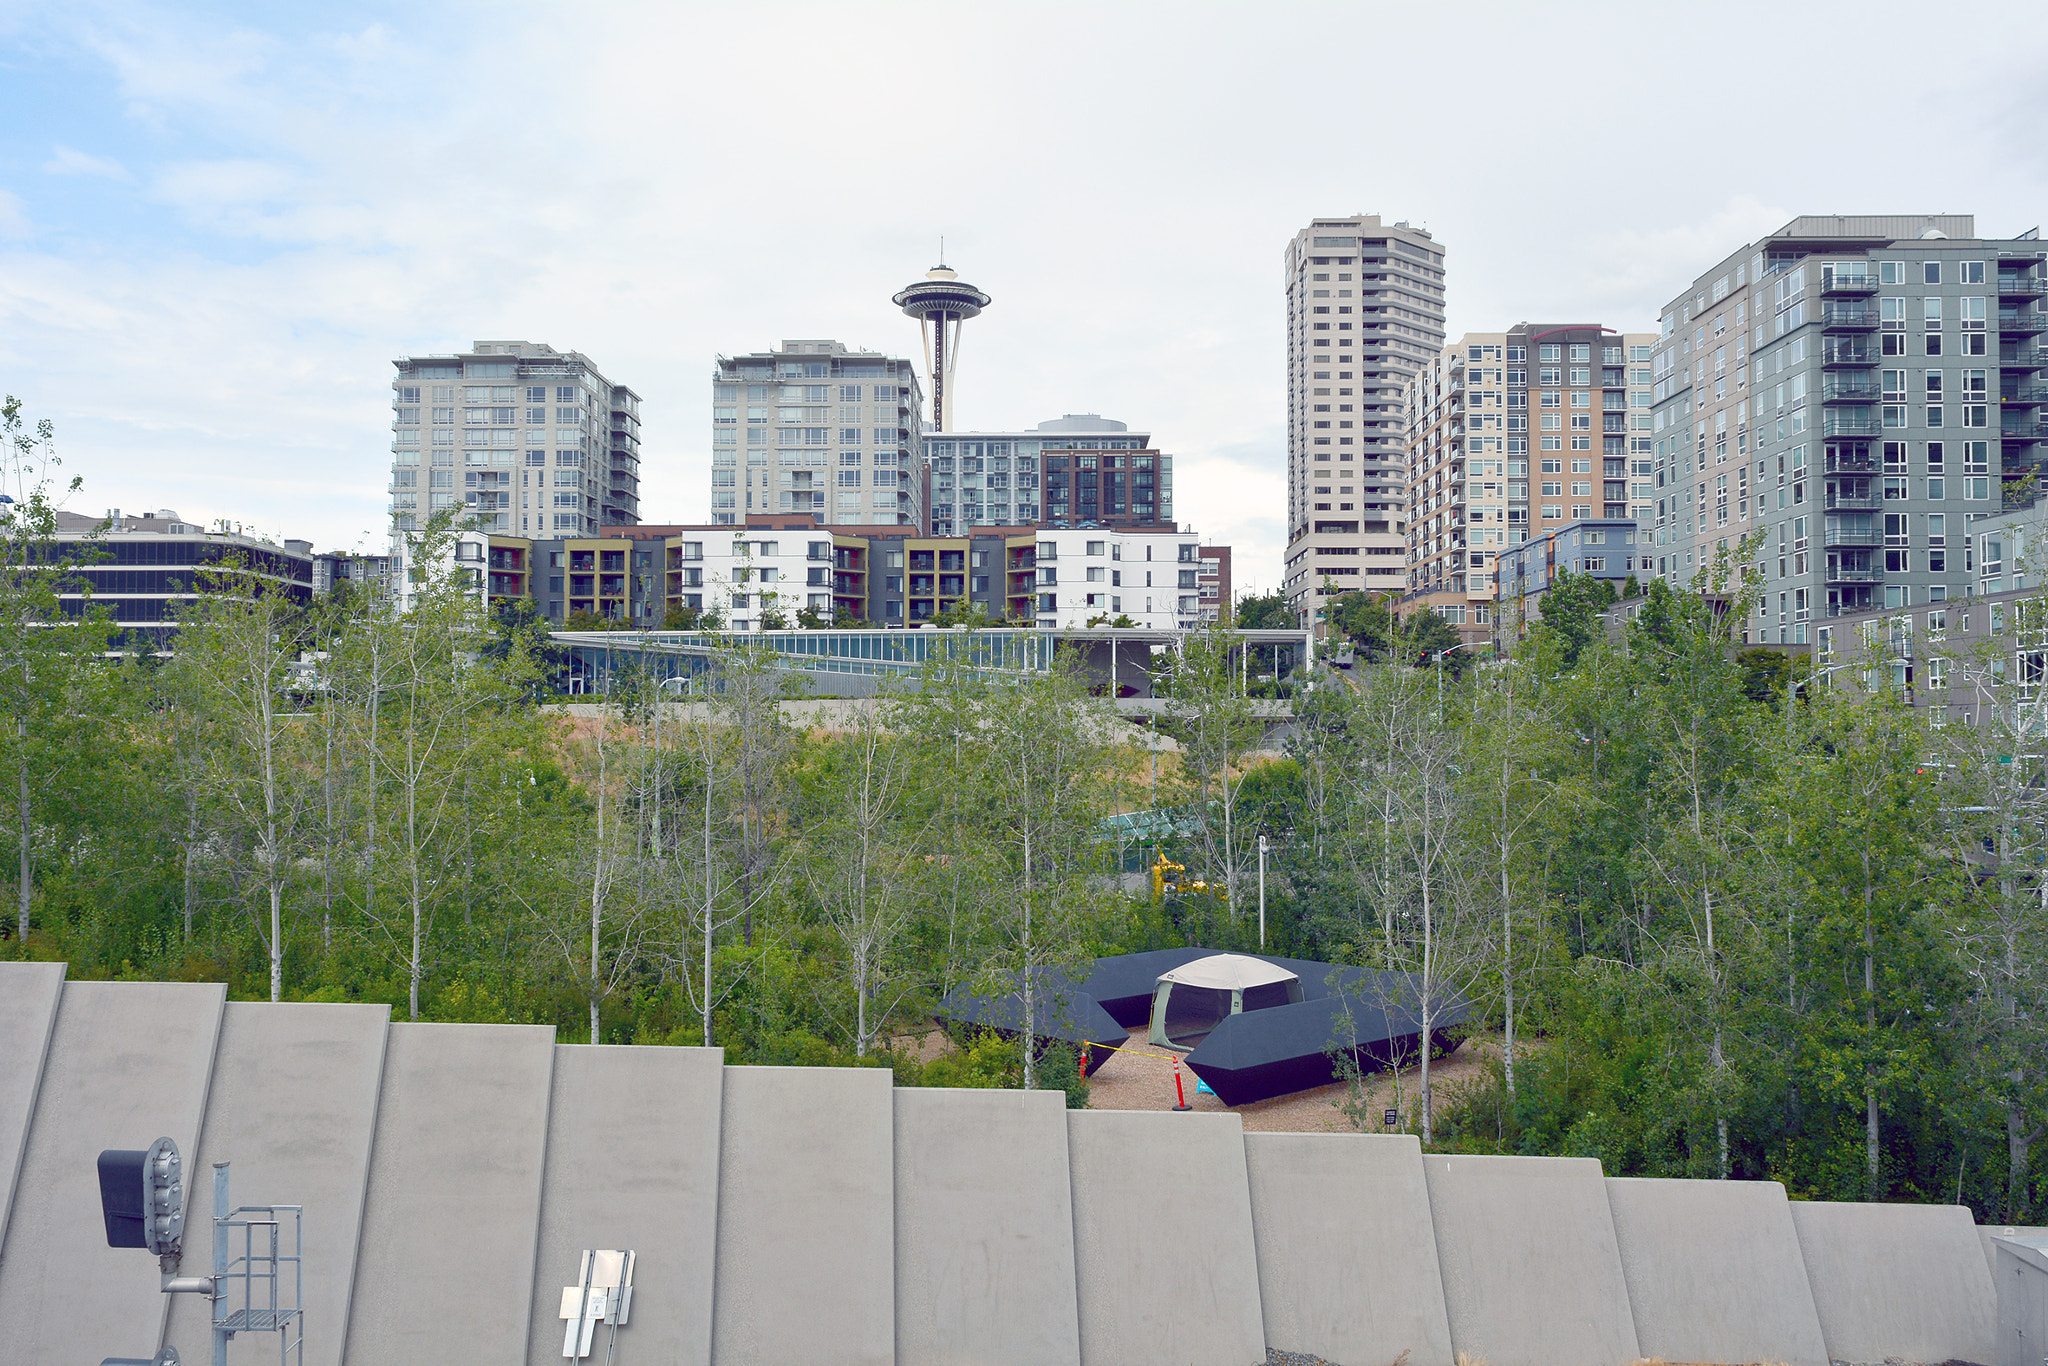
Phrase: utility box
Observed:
(2021, 1276)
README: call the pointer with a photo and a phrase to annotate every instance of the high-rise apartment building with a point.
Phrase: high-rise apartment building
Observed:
(1077, 469)
(1514, 434)
(1365, 310)
(1852, 390)
(527, 439)
(817, 427)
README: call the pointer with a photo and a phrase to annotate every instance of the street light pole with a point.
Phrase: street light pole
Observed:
(1440, 675)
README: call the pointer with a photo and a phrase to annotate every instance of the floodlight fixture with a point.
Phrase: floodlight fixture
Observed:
(142, 1198)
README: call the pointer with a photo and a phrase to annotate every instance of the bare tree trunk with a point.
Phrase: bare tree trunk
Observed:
(598, 872)
(274, 855)
(1870, 1128)
(1507, 964)
(412, 844)
(710, 770)
(327, 852)
(25, 885)
(1428, 988)
(2019, 1141)
(1030, 1018)
(191, 843)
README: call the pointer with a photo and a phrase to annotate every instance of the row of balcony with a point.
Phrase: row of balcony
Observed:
(2011, 284)
(1861, 317)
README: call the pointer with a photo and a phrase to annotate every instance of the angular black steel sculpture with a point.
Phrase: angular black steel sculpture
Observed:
(1062, 1011)
(1251, 1056)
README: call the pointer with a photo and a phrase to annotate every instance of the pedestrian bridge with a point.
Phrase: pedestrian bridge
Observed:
(856, 662)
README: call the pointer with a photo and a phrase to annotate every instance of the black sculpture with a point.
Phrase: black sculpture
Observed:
(1253, 1055)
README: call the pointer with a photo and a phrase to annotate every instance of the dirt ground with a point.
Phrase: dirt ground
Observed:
(1140, 1077)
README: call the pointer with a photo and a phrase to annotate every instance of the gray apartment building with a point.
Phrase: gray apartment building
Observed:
(1365, 311)
(529, 440)
(817, 427)
(1855, 389)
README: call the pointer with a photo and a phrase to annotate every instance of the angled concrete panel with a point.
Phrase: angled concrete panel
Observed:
(1900, 1281)
(1532, 1276)
(806, 1218)
(128, 1063)
(28, 1013)
(632, 1164)
(1163, 1247)
(1989, 1234)
(292, 1107)
(1714, 1271)
(445, 1270)
(2020, 1276)
(984, 1230)
(1347, 1255)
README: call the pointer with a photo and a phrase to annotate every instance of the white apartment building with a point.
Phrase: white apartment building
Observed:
(1365, 311)
(817, 427)
(1094, 576)
(528, 440)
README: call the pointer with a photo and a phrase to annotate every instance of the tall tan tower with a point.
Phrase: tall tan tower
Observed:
(1365, 311)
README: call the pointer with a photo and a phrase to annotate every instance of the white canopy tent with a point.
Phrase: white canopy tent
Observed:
(1194, 998)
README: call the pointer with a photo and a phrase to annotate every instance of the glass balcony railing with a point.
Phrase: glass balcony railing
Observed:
(1860, 317)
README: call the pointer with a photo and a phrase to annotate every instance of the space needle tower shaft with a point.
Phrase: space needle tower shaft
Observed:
(941, 302)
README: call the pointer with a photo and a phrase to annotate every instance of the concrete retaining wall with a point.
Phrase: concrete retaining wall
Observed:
(1532, 1275)
(292, 1107)
(445, 1271)
(452, 1175)
(1163, 1248)
(28, 1014)
(1347, 1256)
(632, 1163)
(806, 1221)
(128, 1063)
(984, 1230)
(1901, 1281)
(1714, 1271)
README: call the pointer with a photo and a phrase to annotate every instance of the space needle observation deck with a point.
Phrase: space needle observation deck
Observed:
(941, 302)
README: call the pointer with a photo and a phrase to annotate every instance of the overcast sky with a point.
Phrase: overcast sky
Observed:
(218, 225)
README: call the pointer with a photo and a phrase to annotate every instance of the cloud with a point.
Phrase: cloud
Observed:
(70, 161)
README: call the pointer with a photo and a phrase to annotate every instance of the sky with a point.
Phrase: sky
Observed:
(220, 224)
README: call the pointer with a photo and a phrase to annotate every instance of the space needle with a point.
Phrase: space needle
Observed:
(941, 302)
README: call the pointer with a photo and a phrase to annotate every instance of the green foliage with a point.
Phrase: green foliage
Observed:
(1370, 622)
(1263, 612)
(1765, 674)
(1806, 943)
(1571, 611)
